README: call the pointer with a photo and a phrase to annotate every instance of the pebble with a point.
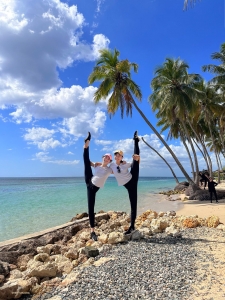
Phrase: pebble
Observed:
(160, 267)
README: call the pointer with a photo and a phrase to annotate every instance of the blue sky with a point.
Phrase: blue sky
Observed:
(47, 51)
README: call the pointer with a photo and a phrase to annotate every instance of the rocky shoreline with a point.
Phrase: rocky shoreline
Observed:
(57, 263)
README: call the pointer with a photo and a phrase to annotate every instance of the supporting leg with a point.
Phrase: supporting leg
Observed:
(210, 196)
(91, 193)
(215, 194)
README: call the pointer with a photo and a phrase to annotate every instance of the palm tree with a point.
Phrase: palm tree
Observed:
(117, 85)
(219, 80)
(175, 131)
(211, 110)
(174, 95)
(115, 77)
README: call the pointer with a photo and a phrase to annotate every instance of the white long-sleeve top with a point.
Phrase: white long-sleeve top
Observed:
(124, 175)
(100, 176)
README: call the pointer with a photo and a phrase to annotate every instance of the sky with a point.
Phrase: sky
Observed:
(48, 48)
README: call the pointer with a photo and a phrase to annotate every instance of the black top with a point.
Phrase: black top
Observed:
(203, 176)
(211, 185)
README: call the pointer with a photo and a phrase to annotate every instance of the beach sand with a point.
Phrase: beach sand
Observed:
(212, 246)
(159, 202)
(203, 209)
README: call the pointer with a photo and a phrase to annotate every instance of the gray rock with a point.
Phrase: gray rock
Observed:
(91, 251)
(4, 268)
(180, 187)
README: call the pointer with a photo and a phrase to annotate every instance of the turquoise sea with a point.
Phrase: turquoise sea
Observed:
(29, 205)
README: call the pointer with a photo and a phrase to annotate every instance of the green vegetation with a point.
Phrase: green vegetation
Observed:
(192, 109)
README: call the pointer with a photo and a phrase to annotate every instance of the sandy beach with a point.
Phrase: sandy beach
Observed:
(203, 209)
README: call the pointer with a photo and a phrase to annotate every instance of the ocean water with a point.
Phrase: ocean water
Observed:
(29, 205)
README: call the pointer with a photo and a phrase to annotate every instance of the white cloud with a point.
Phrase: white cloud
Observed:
(103, 143)
(64, 103)
(43, 157)
(10, 17)
(64, 162)
(38, 133)
(46, 35)
(42, 138)
(150, 161)
(46, 144)
(21, 116)
(36, 39)
(99, 4)
(85, 121)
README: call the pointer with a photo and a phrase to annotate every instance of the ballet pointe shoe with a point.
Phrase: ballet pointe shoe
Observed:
(88, 138)
(136, 137)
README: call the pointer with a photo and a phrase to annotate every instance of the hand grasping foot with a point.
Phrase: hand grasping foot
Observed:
(136, 157)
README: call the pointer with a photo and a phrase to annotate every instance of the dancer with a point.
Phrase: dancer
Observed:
(203, 179)
(95, 182)
(128, 179)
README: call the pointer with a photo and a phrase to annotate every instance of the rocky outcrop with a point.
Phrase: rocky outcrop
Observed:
(204, 195)
(10, 253)
(181, 186)
(41, 269)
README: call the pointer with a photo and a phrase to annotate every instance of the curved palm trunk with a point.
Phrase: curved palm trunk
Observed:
(221, 167)
(190, 158)
(174, 175)
(221, 134)
(196, 177)
(165, 144)
(218, 167)
(213, 142)
(203, 154)
(209, 163)
(209, 158)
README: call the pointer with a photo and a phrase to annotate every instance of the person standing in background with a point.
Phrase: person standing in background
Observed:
(211, 188)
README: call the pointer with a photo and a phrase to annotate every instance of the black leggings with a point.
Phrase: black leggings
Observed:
(211, 193)
(205, 182)
(131, 185)
(91, 188)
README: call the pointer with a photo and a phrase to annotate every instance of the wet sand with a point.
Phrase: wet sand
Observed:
(158, 202)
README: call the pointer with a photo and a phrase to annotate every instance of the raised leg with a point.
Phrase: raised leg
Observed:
(87, 166)
(135, 164)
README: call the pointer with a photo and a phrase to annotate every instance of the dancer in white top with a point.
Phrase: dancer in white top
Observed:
(95, 182)
(129, 179)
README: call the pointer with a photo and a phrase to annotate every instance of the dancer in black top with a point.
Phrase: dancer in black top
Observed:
(203, 179)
